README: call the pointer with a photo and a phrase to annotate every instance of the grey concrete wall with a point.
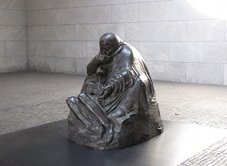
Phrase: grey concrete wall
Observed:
(177, 42)
(13, 46)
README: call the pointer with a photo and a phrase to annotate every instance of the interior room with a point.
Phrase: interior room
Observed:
(45, 46)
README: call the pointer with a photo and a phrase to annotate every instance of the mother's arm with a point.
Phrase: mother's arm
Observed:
(123, 75)
(92, 66)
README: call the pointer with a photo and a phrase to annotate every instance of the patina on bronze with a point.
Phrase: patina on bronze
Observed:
(117, 105)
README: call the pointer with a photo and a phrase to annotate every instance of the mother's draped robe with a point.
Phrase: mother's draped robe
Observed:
(130, 114)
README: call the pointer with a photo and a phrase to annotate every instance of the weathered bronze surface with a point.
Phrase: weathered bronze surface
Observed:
(117, 105)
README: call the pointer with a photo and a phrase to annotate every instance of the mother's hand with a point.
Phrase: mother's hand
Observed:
(103, 58)
(107, 91)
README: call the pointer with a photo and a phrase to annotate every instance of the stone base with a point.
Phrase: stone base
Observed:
(48, 145)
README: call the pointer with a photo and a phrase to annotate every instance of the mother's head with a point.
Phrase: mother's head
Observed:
(109, 43)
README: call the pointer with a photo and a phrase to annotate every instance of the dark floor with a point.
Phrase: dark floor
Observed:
(29, 99)
(48, 145)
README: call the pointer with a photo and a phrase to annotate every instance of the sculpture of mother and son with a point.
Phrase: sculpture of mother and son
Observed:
(117, 105)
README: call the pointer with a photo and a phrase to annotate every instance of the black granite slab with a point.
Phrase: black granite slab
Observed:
(48, 145)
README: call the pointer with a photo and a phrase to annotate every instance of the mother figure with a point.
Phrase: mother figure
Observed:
(117, 106)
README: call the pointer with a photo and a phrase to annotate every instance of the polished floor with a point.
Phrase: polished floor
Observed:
(48, 145)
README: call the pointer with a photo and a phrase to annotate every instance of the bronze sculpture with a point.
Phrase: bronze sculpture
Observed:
(117, 106)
